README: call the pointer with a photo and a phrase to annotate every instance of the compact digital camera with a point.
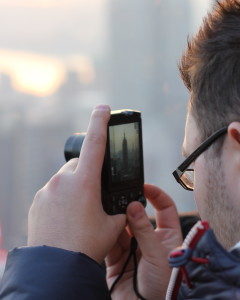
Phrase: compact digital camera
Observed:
(123, 172)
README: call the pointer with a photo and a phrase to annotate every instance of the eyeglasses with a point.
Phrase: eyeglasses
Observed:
(185, 175)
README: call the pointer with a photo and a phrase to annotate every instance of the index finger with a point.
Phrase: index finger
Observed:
(94, 145)
(165, 208)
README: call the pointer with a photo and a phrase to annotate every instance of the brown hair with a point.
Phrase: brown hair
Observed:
(210, 68)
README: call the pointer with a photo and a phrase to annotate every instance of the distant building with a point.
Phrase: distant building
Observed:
(146, 40)
(125, 153)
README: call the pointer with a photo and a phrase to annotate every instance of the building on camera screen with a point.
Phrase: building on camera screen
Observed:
(124, 152)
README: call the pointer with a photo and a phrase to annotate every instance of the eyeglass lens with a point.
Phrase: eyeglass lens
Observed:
(188, 178)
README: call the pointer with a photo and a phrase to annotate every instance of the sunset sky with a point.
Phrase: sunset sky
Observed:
(41, 39)
(42, 75)
(32, 73)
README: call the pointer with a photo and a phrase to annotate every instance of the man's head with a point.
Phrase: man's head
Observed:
(210, 68)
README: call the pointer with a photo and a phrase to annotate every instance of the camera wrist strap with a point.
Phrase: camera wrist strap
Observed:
(132, 253)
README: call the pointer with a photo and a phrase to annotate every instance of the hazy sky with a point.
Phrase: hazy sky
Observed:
(52, 27)
(199, 10)
(39, 38)
(48, 3)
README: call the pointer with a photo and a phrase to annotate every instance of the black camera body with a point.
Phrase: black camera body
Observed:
(123, 171)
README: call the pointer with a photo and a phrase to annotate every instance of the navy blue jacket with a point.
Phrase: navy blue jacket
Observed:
(48, 273)
(203, 269)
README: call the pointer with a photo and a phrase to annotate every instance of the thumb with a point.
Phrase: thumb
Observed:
(140, 226)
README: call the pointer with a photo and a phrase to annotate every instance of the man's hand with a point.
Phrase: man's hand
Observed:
(67, 212)
(154, 247)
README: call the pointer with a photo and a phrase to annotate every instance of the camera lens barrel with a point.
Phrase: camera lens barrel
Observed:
(73, 145)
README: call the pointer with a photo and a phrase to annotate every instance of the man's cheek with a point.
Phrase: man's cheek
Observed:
(200, 187)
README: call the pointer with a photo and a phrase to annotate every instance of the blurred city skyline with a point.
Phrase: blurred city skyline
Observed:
(58, 59)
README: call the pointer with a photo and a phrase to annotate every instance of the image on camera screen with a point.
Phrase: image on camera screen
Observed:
(124, 152)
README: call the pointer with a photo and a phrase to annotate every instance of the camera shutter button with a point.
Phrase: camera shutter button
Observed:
(142, 200)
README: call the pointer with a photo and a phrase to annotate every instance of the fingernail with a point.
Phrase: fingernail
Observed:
(102, 107)
(136, 211)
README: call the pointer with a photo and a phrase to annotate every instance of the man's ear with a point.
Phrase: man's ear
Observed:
(234, 133)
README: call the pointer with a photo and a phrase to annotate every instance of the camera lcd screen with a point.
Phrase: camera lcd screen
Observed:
(124, 152)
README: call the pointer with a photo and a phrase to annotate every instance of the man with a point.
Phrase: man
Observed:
(67, 267)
